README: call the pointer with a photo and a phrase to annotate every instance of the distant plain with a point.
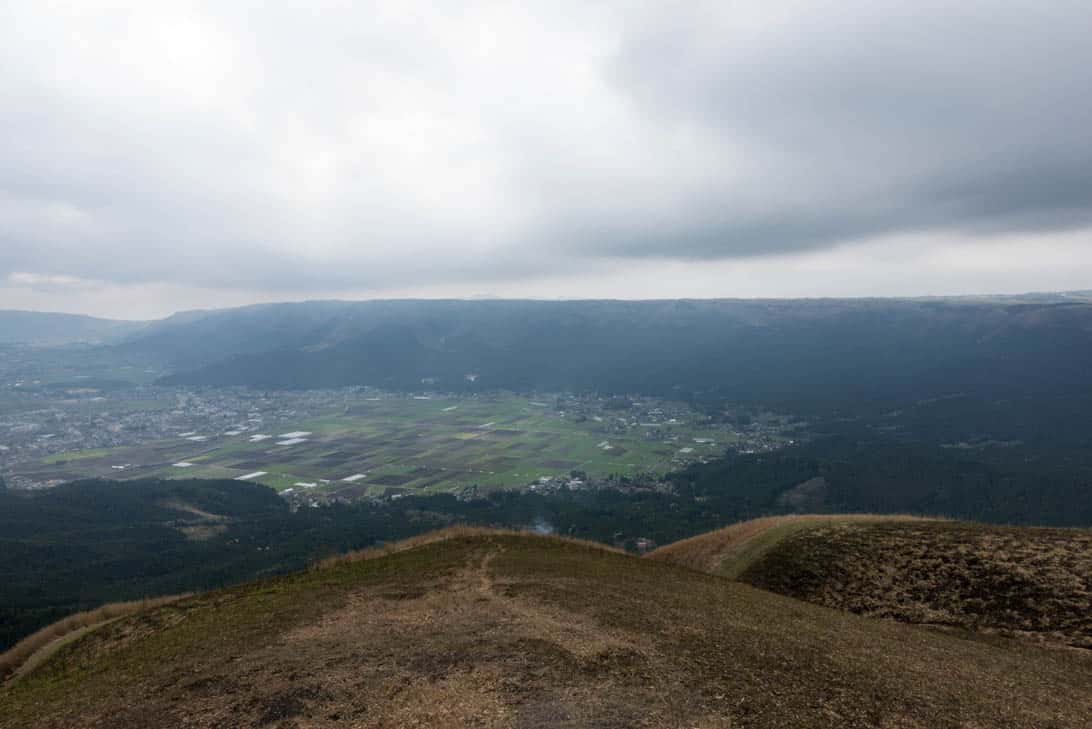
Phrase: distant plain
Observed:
(406, 444)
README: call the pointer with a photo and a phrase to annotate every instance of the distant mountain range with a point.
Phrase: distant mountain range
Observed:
(741, 349)
(35, 327)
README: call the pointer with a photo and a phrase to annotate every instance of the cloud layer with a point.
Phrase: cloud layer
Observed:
(392, 146)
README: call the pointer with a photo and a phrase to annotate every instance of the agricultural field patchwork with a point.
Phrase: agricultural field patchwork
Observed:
(391, 445)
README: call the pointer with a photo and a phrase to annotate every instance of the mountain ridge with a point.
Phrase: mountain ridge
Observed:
(19, 326)
(761, 349)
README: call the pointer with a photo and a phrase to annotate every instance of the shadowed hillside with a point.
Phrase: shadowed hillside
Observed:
(502, 630)
(745, 349)
(1020, 581)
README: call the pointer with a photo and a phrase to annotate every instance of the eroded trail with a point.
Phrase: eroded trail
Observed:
(485, 580)
(578, 635)
(468, 651)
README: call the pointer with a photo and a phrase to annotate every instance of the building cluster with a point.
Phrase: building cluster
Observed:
(42, 422)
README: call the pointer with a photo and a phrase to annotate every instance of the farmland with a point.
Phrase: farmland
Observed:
(379, 444)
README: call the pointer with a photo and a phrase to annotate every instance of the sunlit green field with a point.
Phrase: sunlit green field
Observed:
(429, 445)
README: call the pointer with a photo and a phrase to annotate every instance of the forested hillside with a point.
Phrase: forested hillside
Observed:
(815, 352)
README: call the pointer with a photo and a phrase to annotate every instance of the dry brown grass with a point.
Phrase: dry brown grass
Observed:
(1028, 582)
(458, 531)
(499, 630)
(23, 651)
(725, 550)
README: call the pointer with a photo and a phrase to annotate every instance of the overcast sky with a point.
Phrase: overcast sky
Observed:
(164, 156)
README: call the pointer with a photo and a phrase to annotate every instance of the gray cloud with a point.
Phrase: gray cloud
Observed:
(391, 145)
(863, 119)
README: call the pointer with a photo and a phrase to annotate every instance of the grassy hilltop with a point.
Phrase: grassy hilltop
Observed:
(1018, 581)
(491, 629)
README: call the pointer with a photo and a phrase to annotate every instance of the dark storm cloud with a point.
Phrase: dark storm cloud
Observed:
(861, 119)
(384, 146)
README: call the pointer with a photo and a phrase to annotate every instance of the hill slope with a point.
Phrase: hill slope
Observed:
(1030, 582)
(500, 630)
(741, 349)
(78, 545)
(731, 550)
(36, 327)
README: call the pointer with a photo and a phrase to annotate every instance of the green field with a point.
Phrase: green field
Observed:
(418, 445)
